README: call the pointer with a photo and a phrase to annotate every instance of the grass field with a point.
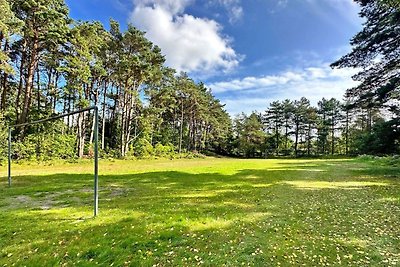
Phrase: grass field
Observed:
(210, 212)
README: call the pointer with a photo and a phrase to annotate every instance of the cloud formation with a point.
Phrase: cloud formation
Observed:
(190, 44)
(255, 93)
(234, 9)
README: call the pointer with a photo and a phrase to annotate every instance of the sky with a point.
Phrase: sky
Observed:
(248, 52)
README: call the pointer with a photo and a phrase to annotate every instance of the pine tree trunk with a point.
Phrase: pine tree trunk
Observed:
(81, 134)
(55, 91)
(21, 80)
(29, 79)
(286, 135)
(309, 140)
(4, 92)
(38, 88)
(103, 128)
(347, 132)
(3, 81)
(96, 97)
(277, 138)
(296, 139)
(333, 136)
(181, 130)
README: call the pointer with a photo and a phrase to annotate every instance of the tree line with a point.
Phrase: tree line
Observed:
(296, 128)
(366, 121)
(50, 63)
(53, 64)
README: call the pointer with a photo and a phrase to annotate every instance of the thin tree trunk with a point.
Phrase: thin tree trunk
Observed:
(181, 130)
(347, 132)
(4, 80)
(309, 140)
(55, 98)
(296, 139)
(277, 138)
(81, 134)
(49, 85)
(286, 134)
(29, 80)
(21, 81)
(4, 93)
(103, 128)
(333, 136)
(38, 88)
(96, 97)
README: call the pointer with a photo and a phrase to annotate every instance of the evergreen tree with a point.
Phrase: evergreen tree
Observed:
(46, 25)
(300, 111)
(375, 50)
(274, 119)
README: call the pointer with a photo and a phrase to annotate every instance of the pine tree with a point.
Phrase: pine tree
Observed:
(376, 50)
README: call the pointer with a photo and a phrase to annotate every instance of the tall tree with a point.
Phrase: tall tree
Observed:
(274, 118)
(250, 134)
(335, 117)
(9, 25)
(287, 109)
(300, 111)
(46, 25)
(138, 62)
(310, 124)
(376, 51)
(84, 70)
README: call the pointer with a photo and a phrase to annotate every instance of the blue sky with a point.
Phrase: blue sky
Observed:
(249, 52)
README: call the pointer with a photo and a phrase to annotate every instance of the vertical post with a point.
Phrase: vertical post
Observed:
(9, 156)
(96, 161)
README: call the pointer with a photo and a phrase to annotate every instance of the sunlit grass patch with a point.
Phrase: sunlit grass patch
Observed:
(210, 212)
(306, 184)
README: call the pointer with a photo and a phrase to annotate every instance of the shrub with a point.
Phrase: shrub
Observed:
(167, 150)
(45, 146)
(142, 149)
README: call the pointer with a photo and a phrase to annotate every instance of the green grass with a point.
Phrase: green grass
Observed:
(209, 212)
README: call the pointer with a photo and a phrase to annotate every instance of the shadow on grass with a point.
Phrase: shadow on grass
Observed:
(162, 217)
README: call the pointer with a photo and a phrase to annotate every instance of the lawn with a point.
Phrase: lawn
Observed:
(209, 212)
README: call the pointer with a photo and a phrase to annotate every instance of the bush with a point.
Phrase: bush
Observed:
(142, 149)
(386, 161)
(167, 150)
(45, 146)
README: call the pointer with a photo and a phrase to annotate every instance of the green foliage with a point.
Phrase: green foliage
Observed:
(167, 150)
(391, 3)
(382, 140)
(393, 161)
(143, 148)
(375, 51)
(250, 135)
(3, 141)
(148, 110)
(9, 25)
(45, 146)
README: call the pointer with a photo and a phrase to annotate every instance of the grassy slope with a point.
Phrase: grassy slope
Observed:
(205, 211)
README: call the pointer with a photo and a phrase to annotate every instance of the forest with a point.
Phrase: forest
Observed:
(51, 64)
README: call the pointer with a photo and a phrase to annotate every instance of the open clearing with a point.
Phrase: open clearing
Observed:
(209, 212)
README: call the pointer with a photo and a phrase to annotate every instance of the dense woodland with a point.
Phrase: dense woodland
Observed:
(51, 64)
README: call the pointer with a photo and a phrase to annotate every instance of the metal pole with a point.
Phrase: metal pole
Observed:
(96, 148)
(9, 156)
(54, 117)
(96, 161)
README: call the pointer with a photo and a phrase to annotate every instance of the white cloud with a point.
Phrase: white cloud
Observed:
(234, 9)
(172, 6)
(255, 93)
(190, 44)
